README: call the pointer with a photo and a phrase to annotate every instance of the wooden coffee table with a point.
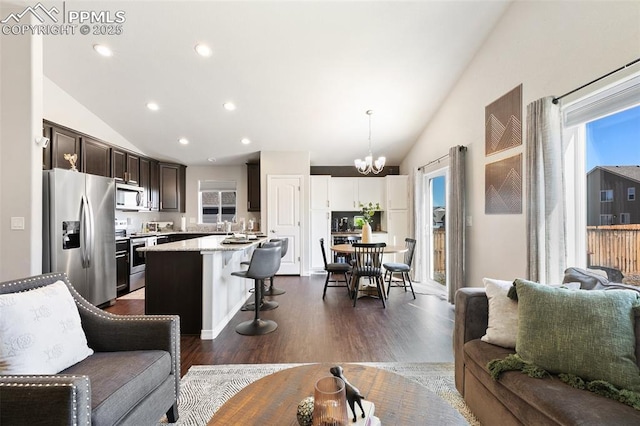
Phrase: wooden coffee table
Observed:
(273, 400)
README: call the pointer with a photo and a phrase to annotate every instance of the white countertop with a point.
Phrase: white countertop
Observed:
(202, 244)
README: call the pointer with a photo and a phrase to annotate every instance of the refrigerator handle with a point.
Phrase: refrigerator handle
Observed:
(90, 234)
(84, 224)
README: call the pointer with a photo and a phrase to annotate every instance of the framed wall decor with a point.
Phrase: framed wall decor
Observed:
(503, 186)
(503, 122)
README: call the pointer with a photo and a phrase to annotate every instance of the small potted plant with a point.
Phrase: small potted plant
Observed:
(368, 210)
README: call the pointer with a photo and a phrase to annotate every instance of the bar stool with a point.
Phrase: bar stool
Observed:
(265, 262)
(265, 305)
(272, 291)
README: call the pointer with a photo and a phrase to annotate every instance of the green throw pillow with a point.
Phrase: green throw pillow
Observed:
(589, 334)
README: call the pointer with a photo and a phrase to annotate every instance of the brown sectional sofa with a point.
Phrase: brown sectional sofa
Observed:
(517, 399)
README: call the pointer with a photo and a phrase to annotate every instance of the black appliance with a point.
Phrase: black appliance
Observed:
(344, 239)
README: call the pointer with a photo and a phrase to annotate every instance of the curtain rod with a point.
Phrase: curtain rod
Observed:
(437, 160)
(555, 100)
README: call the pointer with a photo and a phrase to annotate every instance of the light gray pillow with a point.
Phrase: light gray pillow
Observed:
(502, 328)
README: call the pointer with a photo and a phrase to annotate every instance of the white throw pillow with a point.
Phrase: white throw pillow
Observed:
(502, 328)
(40, 331)
(503, 314)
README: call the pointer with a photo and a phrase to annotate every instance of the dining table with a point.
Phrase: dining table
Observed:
(366, 289)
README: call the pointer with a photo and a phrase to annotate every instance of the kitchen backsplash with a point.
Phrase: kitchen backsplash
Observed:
(137, 220)
(341, 219)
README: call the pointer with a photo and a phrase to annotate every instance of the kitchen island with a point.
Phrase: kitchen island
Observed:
(192, 279)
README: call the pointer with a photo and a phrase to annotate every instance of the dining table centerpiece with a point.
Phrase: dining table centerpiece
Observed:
(367, 211)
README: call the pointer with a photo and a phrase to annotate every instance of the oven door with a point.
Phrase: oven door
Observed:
(136, 258)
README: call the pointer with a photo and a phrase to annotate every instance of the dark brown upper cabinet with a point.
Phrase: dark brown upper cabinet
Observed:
(96, 157)
(63, 141)
(253, 187)
(126, 166)
(172, 188)
(150, 182)
(154, 185)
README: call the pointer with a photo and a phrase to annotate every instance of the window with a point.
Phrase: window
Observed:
(606, 196)
(600, 133)
(606, 219)
(625, 218)
(217, 201)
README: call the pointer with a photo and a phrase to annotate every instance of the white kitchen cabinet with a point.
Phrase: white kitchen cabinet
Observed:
(371, 190)
(320, 192)
(397, 226)
(344, 194)
(319, 225)
(347, 193)
(397, 187)
(379, 237)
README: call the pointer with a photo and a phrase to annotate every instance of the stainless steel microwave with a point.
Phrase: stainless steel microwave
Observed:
(129, 197)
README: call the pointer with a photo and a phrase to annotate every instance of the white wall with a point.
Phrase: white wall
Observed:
(20, 157)
(236, 174)
(63, 109)
(549, 47)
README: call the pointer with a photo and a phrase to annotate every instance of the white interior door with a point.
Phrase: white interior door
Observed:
(283, 218)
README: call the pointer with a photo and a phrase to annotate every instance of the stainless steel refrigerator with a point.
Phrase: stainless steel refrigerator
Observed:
(79, 233)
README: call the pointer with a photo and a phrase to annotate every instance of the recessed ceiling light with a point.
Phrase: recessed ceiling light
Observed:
(103, 50)
(245, 141)
(211, 160)
(203, 50)
(183, 141)
(229, 106)
(153, 106)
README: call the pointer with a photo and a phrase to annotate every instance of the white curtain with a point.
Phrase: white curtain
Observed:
(546, 216)
(419, 206)
(456, 221)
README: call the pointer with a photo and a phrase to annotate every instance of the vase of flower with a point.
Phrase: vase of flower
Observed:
(368, 211)
(366, 233)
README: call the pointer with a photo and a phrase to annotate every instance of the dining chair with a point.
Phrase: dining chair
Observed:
(401, 268)
(368, 263)
(334, 269)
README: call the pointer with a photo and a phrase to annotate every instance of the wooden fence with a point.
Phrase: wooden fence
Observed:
(439, 250)
(615, 246)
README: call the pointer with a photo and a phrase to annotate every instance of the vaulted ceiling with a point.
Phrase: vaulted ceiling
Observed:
(302, 74)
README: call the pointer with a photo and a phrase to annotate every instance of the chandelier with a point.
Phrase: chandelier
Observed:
(369, 165)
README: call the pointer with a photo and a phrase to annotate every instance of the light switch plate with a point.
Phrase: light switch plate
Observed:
(469, 221)
(17, 223)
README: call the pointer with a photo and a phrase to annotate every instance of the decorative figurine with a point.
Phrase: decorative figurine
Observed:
(305, 411)
(353, 394)
(72, 158)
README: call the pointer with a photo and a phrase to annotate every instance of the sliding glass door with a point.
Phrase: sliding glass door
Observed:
(435, 230)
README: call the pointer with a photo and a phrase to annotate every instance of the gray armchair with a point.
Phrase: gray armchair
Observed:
(132, 378)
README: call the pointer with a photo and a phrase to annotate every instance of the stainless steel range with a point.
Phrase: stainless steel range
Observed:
(137, 261)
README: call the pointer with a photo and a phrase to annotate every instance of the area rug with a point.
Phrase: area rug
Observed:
(206, 387)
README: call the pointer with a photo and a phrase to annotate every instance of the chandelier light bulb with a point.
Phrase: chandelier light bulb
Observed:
(369, 165)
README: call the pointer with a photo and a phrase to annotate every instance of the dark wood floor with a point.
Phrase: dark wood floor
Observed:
(313, 330)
